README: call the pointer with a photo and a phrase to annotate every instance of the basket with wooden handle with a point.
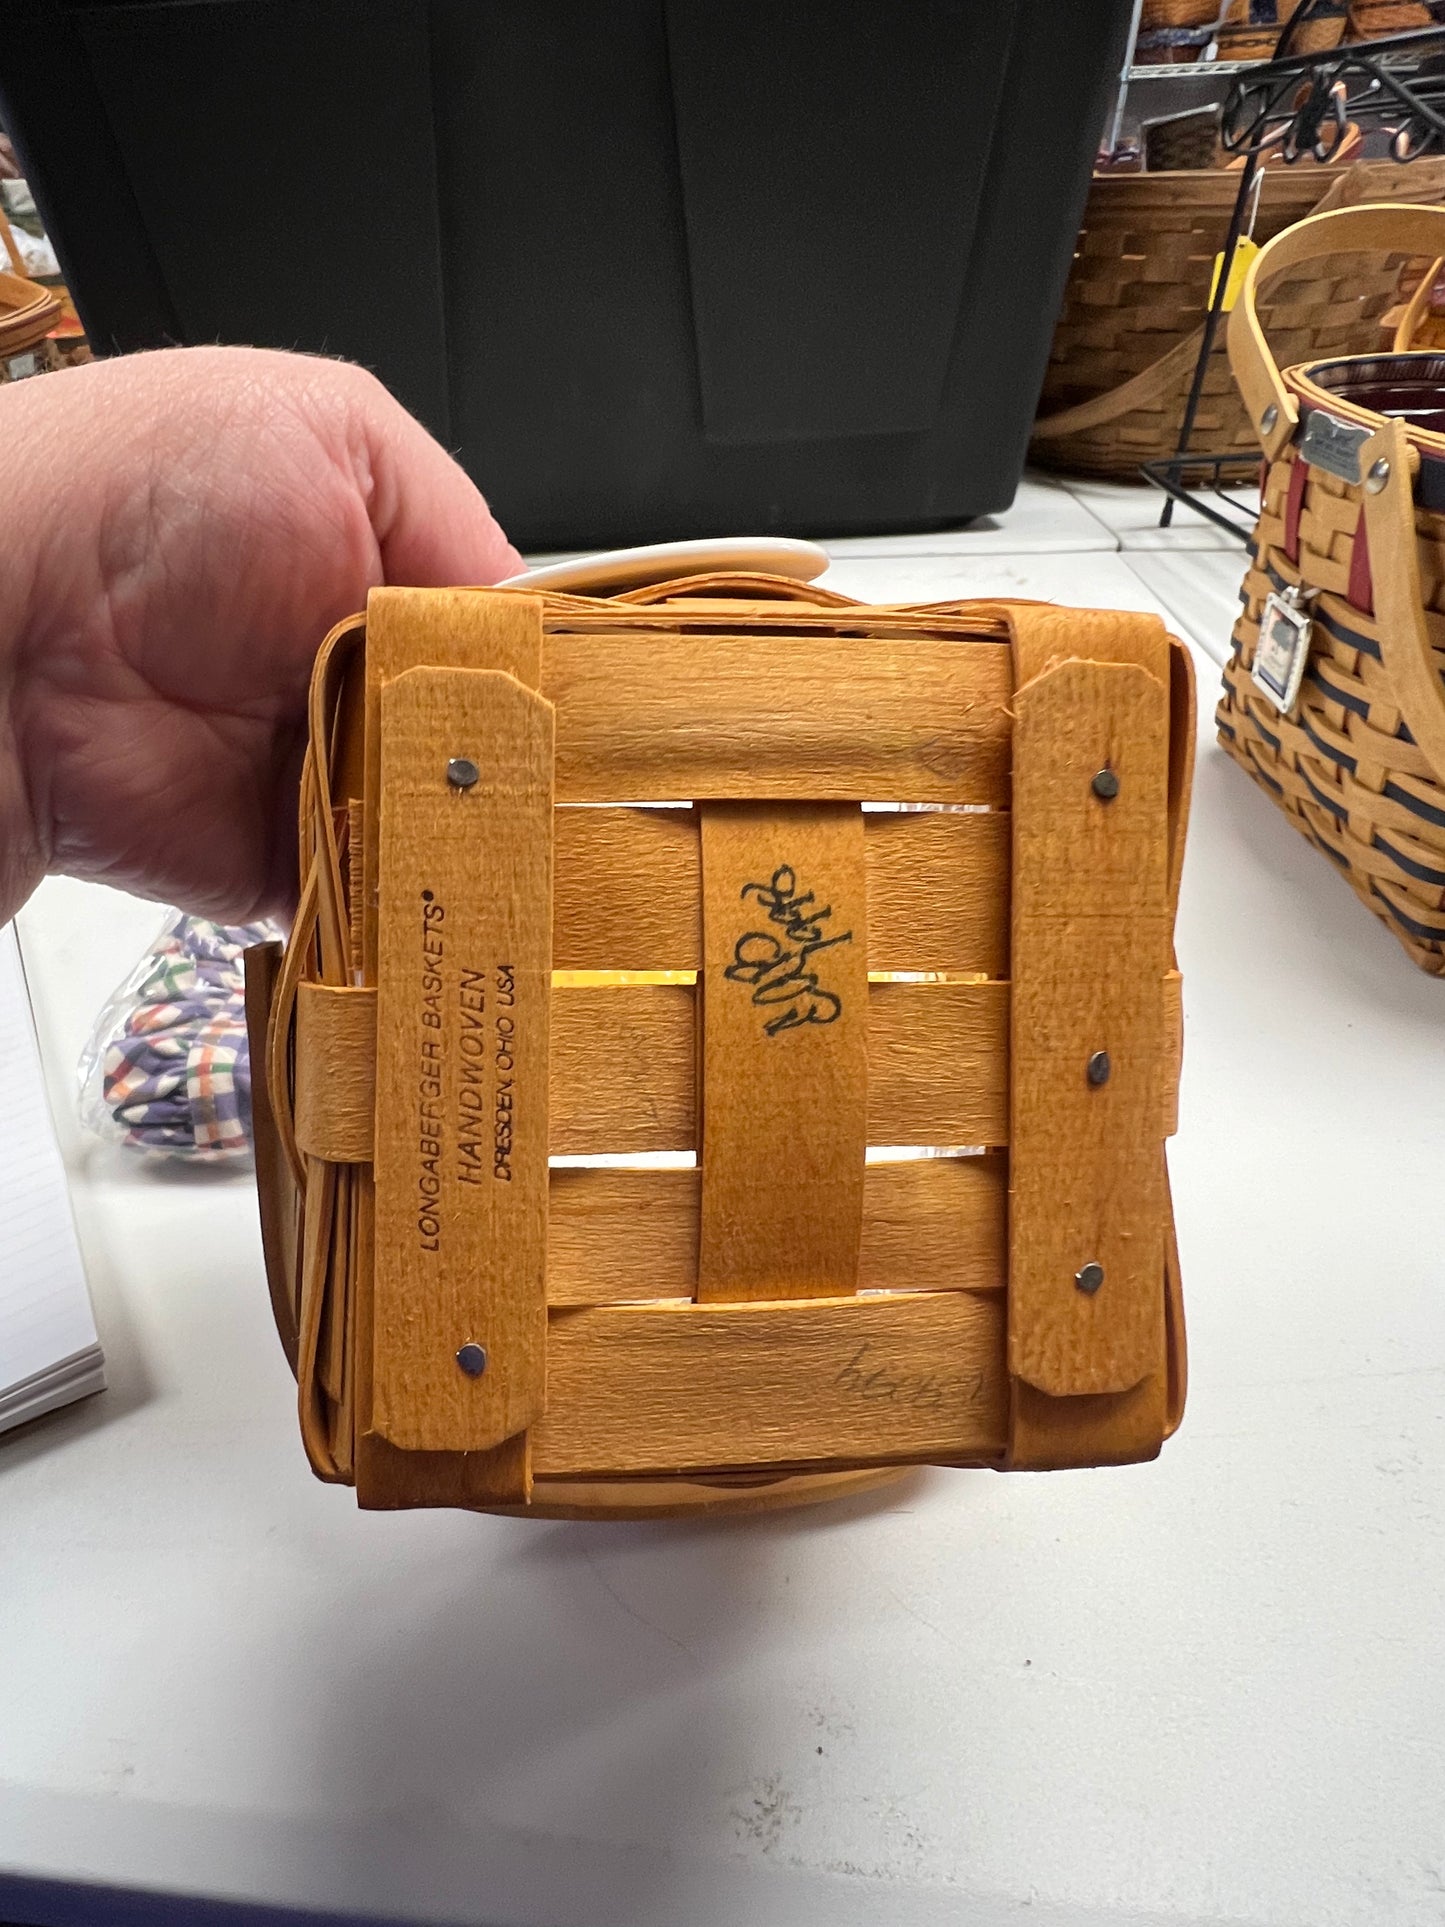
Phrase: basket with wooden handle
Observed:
(1332, 698)
(28, 312)
(1129, 331)
(1418, 319)
(624, 1156)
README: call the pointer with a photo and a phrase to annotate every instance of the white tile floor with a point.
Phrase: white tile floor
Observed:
(1089, 579)
(1200, 587)
(1130, 511)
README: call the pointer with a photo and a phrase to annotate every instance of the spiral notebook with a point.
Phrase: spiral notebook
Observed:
(49, 1350)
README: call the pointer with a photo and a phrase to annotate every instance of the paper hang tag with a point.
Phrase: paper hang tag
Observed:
(1283, 648)
(1244, 252)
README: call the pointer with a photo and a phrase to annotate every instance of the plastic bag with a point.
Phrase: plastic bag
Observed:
(167, 1068)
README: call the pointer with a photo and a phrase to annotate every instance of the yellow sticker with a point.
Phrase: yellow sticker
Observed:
(1244, 252)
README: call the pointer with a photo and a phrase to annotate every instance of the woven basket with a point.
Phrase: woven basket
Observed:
(1178, 13)
(1128, 334)
(1375, 19)
(1354, 753)
(477, 979)
(1181, 143)
(1418, 318)
(27, 314)
(1252, 29)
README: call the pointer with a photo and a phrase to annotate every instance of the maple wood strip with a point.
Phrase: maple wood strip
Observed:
(856, 1381)
(620, 1235)
(937, 891)
(436, 628)
(935, 1224)
(624, 1072)
(1173, 1048)
(391, 1480)
(335, 1072)
(784, 1050)
(968, 622)
(406, 629)
(842, 718)
(629, 890)
(624, 1069)
(1091, 928)
(938, 1063)
(463, 1001)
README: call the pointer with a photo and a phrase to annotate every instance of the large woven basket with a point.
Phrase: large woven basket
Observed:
(1347, 582)
(483, 975)
(1128, 334)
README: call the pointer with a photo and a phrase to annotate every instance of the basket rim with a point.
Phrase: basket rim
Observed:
(1300, 380)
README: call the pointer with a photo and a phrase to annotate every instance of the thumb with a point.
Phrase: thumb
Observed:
(432, 526)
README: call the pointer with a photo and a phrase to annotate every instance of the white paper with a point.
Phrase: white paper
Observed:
(49, 1351)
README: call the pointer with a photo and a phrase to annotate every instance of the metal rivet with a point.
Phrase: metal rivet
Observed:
(473, 1360)
(1099, 1067)
(462, 772)
(1089, 1277)
(1268, 419)
(1106, 785)
(1378, 476)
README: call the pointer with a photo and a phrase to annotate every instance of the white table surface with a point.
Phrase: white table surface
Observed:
(1209, 1690)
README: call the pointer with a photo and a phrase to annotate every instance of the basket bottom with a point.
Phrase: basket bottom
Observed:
(690, 1498)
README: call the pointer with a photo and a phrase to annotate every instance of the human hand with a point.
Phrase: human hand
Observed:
(178, 531)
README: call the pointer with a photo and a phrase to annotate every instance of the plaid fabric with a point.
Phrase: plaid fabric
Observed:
(177, 1074)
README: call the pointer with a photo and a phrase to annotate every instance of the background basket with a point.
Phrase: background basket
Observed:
(1373, 19)
(27, 314)
(1180, 30)
(1349, 740)
(1182, 143)
(1418, 318)
(1252, 28)
(1178, 13)
(1129, 331)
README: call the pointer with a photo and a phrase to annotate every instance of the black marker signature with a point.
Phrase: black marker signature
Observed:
(777, 966)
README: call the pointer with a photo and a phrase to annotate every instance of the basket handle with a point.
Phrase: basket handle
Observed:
(1402, 630)
(12, 246)
(1388, 226)
(1416, 307)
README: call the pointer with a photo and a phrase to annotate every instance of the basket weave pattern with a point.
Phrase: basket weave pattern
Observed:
(1374, 19)
(27, 314)
(1344, 770)
(1252, 32)
(1178, 13)
(1128, 333)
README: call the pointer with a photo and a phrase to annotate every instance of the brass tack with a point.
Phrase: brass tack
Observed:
(1089, 1277)
(1378, 476)
(1099, 1067)
(1106, 786)
(462, 772)
(473, 1360)
(1268, 419)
